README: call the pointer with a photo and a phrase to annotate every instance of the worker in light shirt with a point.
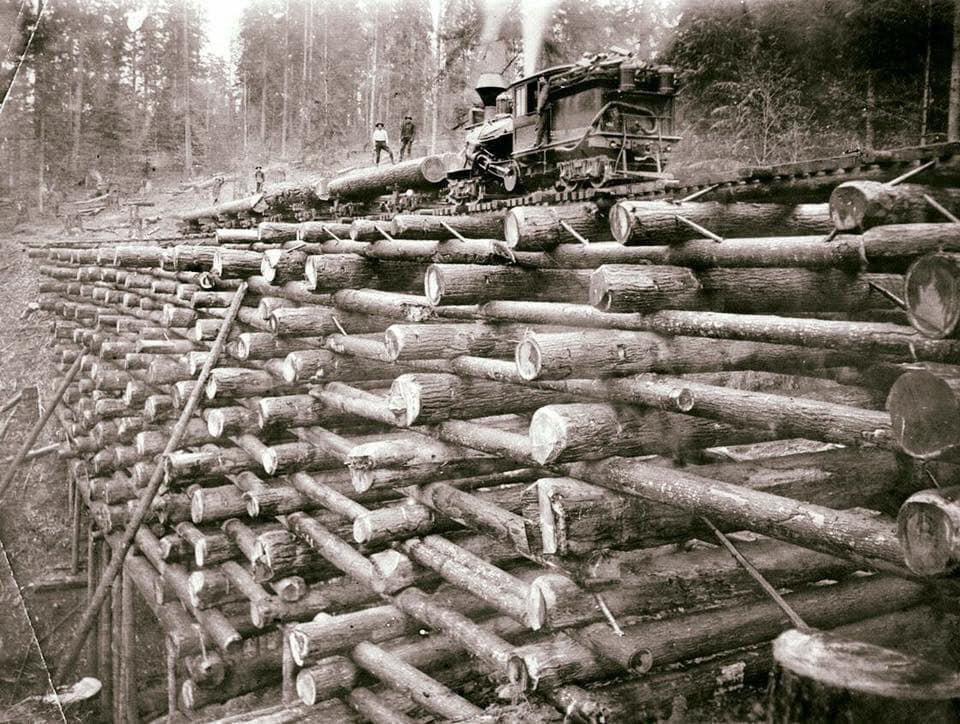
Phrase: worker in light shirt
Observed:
(380, 143)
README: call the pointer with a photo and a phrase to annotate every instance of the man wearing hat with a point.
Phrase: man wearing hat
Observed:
(259, 178)
(380, 143)
(407, 131)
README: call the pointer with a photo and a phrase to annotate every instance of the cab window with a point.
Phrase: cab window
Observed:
(520, 101)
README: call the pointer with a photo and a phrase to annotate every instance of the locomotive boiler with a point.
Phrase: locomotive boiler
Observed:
(603, 121)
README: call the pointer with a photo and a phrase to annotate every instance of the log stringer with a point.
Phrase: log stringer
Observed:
(327, 229)
(695, 195)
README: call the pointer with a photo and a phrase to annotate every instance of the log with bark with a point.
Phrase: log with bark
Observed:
(333, 272)
(565, 658)
(475, 284)
(855, 535)
(577, 518)
(862, 204)
(899, 342)
(553, 355)
(420, 174)
(657, 222)
(425, 226)
(535, 228)
(626, 288)
(925, 415)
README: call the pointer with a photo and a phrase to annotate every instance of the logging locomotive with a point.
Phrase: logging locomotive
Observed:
(606, 120)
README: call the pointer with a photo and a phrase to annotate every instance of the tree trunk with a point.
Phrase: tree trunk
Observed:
(779, 414)
(537, 228)
(554, 356)
(187, 125)
(423, 226)
(925, 98)
(870, 112)
(648, 288)
(860, 205)
(475, 284)
(286, 81)
(847, 534)
(577, 517)
(656, 222)
(953, 107)
(818, 676)
(420, 174)
(77, 114)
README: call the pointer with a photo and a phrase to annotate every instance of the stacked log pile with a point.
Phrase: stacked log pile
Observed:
(442, 470)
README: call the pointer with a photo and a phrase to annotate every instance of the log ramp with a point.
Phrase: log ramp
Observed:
(434, 476)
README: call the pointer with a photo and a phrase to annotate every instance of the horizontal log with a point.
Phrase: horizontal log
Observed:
(779, 415)
(425, 226)
(530, 228)
(862, 204)
(621, 288)
(367, 183)
(546, 355)
(865, 338)
(852, 535)
(657, 222)
(474, 283)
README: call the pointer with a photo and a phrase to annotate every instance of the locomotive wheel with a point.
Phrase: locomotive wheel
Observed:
(512, 180)
(598, 182)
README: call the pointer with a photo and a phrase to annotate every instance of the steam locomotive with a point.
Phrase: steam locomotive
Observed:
(603, 121)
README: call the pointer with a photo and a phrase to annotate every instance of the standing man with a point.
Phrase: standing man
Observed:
(543, 105)
(217, 186)
(407, 132)
(380, 143)
(258, 179)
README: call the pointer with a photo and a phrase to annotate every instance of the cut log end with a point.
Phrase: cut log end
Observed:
(932, 295)
(528, 359)
(433, 285)
(306, 688)
(924, 415)
(511, 227)
(928, 526)
(548, 436)
(196, 508)
(299, 646)
(620, 224)
(822, 677)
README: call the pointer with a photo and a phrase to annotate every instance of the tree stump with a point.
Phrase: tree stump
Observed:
(820, 677)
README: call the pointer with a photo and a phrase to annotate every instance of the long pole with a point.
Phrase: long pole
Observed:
(72, 650)
(38, 427)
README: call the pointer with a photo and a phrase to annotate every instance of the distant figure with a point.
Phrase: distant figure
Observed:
(217, 186)
(407, 131)
(380, 143)
(543, 93)
(258, 179)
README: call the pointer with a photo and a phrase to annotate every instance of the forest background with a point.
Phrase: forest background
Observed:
(129, 89)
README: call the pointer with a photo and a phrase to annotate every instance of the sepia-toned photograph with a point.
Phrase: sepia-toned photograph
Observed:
(480, 361)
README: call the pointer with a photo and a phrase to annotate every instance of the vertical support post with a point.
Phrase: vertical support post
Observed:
(93, 575)
(172, 686)
(76, 515)
(288, 691)
(128, 651)
(116, 655)
(104, 637)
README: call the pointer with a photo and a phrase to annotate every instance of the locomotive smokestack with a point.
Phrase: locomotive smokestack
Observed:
(488, 87)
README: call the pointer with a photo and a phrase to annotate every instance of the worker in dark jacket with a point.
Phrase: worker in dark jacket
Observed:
(543, 107)
(407, 131)
(259, 178)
